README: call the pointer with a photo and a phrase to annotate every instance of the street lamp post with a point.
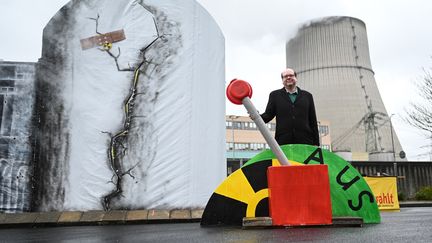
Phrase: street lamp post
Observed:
(393, 148)
(233, 117)
(392, 141)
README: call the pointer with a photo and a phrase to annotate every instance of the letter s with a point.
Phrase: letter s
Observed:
(360, 205)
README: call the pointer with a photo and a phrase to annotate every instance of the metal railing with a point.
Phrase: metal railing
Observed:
(412, 176)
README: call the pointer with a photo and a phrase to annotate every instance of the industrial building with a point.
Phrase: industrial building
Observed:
(331, 57)
(244, 140)
(16, 104)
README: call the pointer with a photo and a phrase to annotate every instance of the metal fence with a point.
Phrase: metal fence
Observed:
(412, 176)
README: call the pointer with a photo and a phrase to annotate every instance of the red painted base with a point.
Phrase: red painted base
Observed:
(299, 195)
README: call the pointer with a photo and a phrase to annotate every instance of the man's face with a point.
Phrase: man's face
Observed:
(288, 79)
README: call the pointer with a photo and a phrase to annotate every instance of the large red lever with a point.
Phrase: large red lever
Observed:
(239, 92)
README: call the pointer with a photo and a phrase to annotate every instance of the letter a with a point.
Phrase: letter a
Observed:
(312, 157)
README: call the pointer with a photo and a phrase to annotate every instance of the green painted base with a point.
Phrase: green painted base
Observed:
(245, 192)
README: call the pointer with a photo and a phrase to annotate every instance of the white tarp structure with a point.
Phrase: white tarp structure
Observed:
(137, 123)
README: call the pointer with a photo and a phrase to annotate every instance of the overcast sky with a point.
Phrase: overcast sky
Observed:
(400, 44)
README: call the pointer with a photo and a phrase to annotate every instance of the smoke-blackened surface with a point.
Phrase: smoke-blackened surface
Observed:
(118, 124)
(52, 135)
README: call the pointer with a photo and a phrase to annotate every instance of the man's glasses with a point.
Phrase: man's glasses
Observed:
(288, 76)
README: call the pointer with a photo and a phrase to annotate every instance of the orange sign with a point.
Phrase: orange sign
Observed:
(100, 40)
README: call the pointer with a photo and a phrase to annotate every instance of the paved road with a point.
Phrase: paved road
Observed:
(409, 225)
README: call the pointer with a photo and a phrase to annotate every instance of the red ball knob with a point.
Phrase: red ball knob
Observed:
(237, 90)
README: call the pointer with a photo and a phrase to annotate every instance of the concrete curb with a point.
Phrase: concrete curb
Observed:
(409, 204)
(76, 218)
(150, 216)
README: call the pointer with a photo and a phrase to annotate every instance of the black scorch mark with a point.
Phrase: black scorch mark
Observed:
(117, 148)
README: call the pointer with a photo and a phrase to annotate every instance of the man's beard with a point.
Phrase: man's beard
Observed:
(291, 85)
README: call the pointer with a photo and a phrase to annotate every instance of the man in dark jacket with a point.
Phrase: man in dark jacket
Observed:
(296, 121)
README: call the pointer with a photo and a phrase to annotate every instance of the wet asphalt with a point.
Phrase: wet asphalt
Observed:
(413, 224)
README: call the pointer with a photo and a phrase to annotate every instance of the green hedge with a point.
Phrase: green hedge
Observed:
(401, 196)
(425, 193)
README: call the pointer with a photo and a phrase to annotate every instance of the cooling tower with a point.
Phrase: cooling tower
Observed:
(331, 57)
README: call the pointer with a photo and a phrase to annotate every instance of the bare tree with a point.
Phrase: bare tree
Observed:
(419, 114)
